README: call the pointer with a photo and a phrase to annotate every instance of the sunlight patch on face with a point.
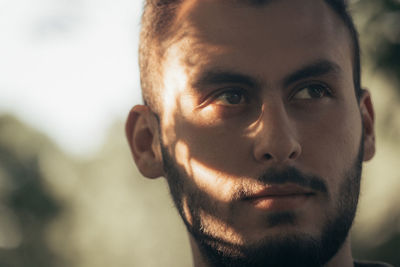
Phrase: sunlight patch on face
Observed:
(216, 184)
(175, 80)
(186, 210)
(254, 128)
(217, 227)
(182, 157)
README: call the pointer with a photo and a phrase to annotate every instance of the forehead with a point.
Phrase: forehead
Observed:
(260, 39)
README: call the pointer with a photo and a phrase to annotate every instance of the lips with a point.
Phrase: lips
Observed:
(278, 197)
(280, 191)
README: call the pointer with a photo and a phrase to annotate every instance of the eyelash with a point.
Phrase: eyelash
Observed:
(326, 89)
(235, 90)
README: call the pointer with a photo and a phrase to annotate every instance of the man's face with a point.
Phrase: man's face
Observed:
(260, 127)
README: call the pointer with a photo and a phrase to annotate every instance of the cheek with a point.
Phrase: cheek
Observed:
(213, 141)
(219, 148)
(206, 163)
(331, 144)
(347, 129)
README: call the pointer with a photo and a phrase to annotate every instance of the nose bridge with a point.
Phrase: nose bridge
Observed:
(275, 134)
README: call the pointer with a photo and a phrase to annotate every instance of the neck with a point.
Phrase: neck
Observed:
(198, 258)
(342, 258)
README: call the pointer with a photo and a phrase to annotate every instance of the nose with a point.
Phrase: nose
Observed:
(276, 136)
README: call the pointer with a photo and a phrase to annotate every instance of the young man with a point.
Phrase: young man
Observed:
(255, 115)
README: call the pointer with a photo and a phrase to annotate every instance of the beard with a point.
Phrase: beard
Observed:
(296, 249)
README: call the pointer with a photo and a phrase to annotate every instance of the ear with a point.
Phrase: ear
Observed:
(143, 137)
(368, 117)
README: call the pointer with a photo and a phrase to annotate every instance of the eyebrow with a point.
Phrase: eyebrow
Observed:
(316, 69)
(220, 77)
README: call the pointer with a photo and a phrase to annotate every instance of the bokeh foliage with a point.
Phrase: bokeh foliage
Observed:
(26, 205)
(379, 29)
(57, 210)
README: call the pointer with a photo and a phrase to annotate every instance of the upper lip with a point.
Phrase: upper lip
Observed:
(280, 191)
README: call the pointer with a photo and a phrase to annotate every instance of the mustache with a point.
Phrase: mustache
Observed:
(288, 175)
(293, 175)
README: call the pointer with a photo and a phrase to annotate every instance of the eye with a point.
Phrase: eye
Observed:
(231, 97)
(312, 91)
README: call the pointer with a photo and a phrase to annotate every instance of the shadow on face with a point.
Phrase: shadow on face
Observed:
(252, 99)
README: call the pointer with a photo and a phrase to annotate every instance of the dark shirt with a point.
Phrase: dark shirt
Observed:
(371, 264)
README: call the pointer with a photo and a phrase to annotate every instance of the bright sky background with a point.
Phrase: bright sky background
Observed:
(69, 67)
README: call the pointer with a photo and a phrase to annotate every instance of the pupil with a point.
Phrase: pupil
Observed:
(316, 91)
(233, 98)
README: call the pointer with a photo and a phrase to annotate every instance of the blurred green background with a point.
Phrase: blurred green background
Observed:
(59, 209)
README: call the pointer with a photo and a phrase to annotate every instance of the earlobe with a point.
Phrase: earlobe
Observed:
(142, 133)
(368, 117)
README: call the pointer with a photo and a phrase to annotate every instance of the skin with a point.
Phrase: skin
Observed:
(224, 134)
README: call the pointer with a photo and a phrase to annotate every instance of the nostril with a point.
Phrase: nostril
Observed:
(293, 155)
(267, 156)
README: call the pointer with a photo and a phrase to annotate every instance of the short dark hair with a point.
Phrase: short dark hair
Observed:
(158, 17)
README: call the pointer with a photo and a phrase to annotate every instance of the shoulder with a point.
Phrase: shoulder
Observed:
(371, 264)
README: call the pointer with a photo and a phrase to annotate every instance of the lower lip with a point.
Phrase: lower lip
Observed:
(284, 202)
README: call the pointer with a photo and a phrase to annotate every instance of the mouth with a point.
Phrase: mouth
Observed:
(280, 197)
